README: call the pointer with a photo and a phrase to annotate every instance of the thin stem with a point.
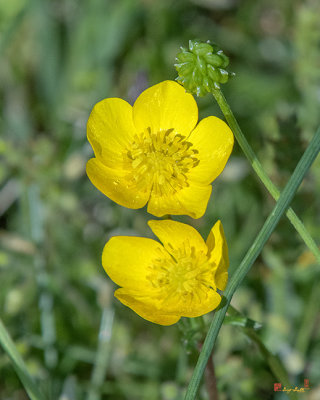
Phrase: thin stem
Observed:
(240, 320)
(211, 380)
(252, 158)
(252, 254)
(182, 366)
(18, 364)
(210, 376)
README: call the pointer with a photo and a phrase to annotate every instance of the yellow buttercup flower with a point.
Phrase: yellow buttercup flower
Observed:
(180, 278)
(154, 152)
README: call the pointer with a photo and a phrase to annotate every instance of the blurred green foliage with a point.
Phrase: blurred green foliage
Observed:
(58, 58)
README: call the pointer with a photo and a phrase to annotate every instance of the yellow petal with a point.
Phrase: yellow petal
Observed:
(151, 305)
(127, 260)
(165, 106)
(110, 129)
(218, 252)
(116, 185)
(191, 200)
(175, 235)
(214, 140)
(200, 304)
(145, 310)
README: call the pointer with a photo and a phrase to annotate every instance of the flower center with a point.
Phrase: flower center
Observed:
(161, 161)
(186, 275)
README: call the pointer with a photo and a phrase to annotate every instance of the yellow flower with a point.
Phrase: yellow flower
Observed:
(180, 278)
(154, 152)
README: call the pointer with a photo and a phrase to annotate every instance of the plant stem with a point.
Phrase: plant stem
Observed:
(252, 254)
(256, 165)
(210, 376)
(18, 364)
(211, 380)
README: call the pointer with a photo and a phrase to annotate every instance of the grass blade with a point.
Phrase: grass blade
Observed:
(18, 364)
(102, 355)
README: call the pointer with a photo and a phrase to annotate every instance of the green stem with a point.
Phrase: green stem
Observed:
(252, 254)
(18, 364)
(240, 320)
(211, 380)
(273, 190)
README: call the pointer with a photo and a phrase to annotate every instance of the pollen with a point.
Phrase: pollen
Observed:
(160, 161)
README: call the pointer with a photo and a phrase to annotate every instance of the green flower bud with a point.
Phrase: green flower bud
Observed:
(201, 67)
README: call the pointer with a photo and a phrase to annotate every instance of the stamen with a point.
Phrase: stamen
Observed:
(160, 160)
(186, 275)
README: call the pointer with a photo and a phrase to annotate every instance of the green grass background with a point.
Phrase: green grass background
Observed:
(57, 59)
